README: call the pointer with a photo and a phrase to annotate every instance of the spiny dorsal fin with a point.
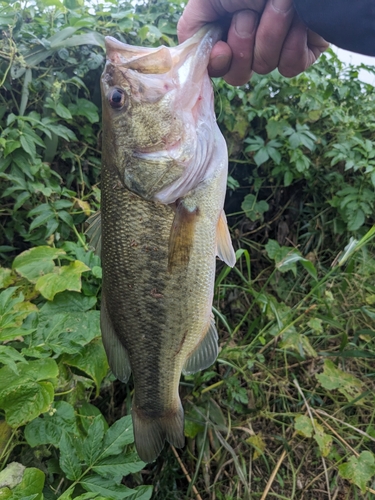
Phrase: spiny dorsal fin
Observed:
(205, 354)
(225, 249)
(117, 355)
(94, 232)
(182, 236)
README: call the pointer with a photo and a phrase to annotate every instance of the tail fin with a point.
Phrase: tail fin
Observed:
(150, 433)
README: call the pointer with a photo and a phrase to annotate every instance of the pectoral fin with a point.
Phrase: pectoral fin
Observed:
(117, 355)
(225, 249)
(94, 232)
(205, 354)
(182, 236)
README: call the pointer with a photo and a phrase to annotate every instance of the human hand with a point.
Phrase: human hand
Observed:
(263, 35)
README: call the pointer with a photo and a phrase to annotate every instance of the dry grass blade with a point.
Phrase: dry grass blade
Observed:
(313, 424)
(273, 475)
(363, 433)
(184, 470)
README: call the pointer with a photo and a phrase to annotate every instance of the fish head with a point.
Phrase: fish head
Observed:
(156, 102)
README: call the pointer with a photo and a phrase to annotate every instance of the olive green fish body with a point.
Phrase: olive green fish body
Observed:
(162, 225)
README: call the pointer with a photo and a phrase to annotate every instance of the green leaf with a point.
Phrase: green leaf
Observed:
(66, 333)
(42, 219)
(192, 428)
(85, 108)
(24, 403)
(303, 425)
(49, 429)
(66, 217)
(356, 219)
(310, 268)
(91, 360)
(32, 485)
(28, 144)
(110, 490)
(87, 413)
(6, 277)
(257, 441)
(93, 443)
(11, 146)
(324, 440)
(288, 178)
(334, 378)
(307, 428)
(119, 466)
(316, 325)
(69, 461)
(13, 310)
(68, 302)
(42, 369)
(63, 111)
(261, 156)
(36, 262)
(60, 130)
(298, 342)
(26, 395)
(9, 355)
(63, 278)
(359, 470)
(117, 437)
(88, 496)
(141, 493)
(272, 248)
(254, 209)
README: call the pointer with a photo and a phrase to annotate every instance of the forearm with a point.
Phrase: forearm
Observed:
(349, 24)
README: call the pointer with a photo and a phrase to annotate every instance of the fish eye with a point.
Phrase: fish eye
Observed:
(117, 98)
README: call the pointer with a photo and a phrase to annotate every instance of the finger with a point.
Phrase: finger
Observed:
(220, 59)
(316, 45)
(273, 29)
(301, 49)
(197, 13)
(241, 39)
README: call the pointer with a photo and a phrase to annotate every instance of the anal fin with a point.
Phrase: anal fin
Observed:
(117, 355)
(225, 249)
(94, 232)
(205, 353)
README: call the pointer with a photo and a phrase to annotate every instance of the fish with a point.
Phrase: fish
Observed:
(160, 227)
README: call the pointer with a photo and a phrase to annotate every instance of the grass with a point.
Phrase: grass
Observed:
(288, 411)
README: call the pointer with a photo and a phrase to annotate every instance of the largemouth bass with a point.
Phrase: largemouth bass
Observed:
(164, 172)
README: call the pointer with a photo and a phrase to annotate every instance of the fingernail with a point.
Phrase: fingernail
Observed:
(282, 5)
(245, 22)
